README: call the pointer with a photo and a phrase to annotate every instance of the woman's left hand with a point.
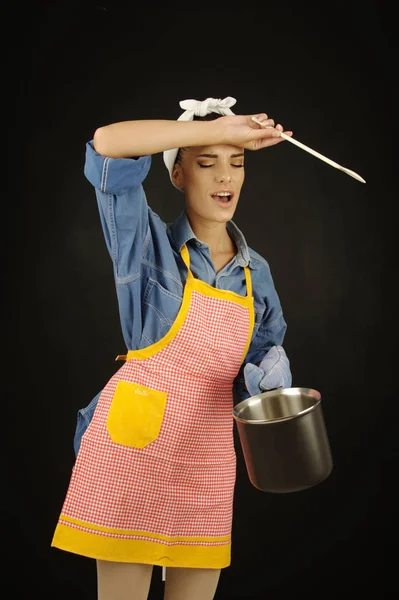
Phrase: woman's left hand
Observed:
(273, 372)
(244, 132)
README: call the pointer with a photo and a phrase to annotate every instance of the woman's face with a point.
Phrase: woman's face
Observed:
(207, 174)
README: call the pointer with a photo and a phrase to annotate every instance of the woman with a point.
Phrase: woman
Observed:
(155, 470)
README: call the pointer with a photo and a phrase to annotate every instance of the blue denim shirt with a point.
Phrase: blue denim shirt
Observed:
(149, 272)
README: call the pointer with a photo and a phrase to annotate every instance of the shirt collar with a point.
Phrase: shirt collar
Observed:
(181, 232)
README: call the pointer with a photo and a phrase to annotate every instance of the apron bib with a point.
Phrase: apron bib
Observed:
(154, 478)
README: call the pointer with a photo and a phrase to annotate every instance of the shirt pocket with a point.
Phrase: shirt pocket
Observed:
(161, 307)
(136, 414)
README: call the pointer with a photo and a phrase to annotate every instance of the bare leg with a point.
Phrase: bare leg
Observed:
(192, 584)
(123, 581)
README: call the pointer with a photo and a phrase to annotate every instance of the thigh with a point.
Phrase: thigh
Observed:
(195, 584)
(123, 581)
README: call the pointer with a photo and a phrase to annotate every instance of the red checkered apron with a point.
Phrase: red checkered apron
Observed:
(154, 478)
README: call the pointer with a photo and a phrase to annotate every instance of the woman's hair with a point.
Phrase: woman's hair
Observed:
(209, 117)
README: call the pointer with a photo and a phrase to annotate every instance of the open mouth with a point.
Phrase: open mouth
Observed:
(223, 198)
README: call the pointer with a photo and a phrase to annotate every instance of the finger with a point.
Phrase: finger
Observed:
(280, 128)
(260, 116)
(265, 123)
(267, 142)
(263, 138)
(276, 137)
(264, 132)
(261, 120)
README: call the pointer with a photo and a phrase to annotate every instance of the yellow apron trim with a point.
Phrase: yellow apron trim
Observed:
(158, 536)
(185, 254)
(250, 331)
(248, 281)
(95, 545)
(193, 284)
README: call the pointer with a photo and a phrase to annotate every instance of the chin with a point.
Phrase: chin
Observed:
(224, 218)
(225, 214)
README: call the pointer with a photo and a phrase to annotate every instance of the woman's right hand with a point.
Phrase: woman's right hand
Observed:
(242, 131)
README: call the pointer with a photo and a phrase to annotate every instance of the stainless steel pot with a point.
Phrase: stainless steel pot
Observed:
(284, 439)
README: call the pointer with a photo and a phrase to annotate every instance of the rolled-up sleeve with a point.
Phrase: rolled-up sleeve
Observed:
(122, 206)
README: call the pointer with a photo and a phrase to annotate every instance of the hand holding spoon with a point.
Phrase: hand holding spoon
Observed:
(317, 154)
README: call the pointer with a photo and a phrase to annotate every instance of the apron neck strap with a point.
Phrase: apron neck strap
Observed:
(184, 253)
(248, 281)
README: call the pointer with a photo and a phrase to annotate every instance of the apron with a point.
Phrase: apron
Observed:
(154, 478)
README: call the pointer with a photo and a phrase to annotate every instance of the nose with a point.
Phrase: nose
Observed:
(224, 178)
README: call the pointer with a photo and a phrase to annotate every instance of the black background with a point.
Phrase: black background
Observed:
(323, 70)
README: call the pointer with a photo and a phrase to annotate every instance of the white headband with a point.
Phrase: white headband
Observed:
(199, 109)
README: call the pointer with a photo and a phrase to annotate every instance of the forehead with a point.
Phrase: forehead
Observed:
(216, 150)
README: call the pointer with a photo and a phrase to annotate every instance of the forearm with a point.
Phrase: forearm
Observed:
(138, 138)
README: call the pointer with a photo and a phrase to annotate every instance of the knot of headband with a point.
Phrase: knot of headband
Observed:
(199, 109)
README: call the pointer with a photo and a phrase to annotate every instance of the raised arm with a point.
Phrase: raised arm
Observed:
(127, 139)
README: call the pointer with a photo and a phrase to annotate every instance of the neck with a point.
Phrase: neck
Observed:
(211, 233)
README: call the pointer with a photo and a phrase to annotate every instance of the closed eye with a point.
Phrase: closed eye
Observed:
(208, 166)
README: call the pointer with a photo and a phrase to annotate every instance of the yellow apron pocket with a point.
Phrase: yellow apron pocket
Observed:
(136, 414)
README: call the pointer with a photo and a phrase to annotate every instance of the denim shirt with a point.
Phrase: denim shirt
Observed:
(149, 272)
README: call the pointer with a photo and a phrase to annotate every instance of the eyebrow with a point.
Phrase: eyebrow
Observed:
(216, 155)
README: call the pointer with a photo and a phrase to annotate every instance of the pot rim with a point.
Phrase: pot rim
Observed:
(293, 392)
